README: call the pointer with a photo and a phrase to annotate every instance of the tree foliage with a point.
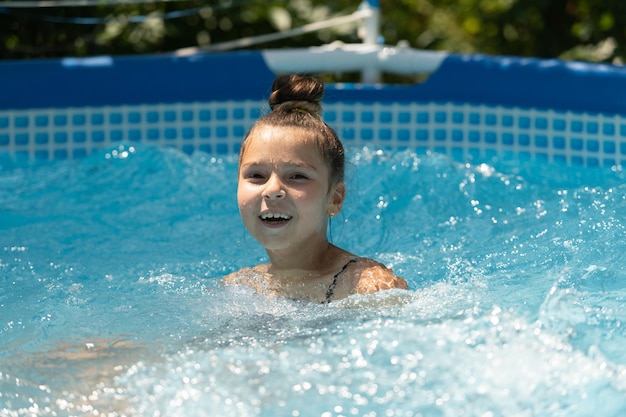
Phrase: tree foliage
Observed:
(570, 29)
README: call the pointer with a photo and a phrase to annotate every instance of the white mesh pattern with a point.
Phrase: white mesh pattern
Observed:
(462, 131)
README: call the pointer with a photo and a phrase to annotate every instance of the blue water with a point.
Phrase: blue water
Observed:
(111, 303)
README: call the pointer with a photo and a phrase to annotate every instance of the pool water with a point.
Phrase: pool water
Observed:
(111, 302)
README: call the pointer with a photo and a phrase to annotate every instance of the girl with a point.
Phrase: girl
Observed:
(291, 182)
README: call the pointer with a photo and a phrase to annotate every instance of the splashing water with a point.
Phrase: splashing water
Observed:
(111, 302)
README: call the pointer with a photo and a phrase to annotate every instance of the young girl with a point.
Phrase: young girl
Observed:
(291, 182)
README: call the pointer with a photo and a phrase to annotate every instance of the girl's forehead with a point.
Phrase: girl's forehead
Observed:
(295, 135)
(279, 143)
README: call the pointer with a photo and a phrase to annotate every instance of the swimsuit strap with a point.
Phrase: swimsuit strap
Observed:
(331, 288)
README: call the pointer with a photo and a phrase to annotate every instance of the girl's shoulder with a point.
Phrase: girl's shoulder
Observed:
(374, 276)
(246, 276)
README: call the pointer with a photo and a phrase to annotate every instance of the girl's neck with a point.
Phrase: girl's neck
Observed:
(313, 258)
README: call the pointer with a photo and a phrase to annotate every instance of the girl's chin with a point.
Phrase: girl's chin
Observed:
(279, 243)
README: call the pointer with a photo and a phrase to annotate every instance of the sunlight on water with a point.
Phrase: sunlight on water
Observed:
(111, 303)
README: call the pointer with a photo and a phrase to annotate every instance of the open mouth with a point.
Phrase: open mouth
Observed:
(274, 218)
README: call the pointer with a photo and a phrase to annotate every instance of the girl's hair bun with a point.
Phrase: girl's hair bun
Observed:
(297, 93)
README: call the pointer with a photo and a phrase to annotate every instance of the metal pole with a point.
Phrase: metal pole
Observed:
(370, 35)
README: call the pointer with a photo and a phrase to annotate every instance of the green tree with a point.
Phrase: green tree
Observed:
(569, 29)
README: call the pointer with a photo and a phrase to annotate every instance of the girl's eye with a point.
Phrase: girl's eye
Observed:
(255, 176)
(299, 177)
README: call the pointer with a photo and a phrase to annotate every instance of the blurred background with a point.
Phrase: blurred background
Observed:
(589, 30)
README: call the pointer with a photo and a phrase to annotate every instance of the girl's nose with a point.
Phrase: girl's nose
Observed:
(273, 189)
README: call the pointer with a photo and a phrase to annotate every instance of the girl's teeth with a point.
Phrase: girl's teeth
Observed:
(275, 216)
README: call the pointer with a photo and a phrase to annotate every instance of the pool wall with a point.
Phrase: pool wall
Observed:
(471, 107)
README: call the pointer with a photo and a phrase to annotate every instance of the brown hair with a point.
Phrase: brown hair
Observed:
(296, 102)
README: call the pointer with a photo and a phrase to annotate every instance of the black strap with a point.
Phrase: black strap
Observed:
(331, 288)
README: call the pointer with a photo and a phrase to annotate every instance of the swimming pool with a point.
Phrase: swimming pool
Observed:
(112, 303)
(504, 211)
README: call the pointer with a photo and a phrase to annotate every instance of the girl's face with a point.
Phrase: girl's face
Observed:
(283, 191)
